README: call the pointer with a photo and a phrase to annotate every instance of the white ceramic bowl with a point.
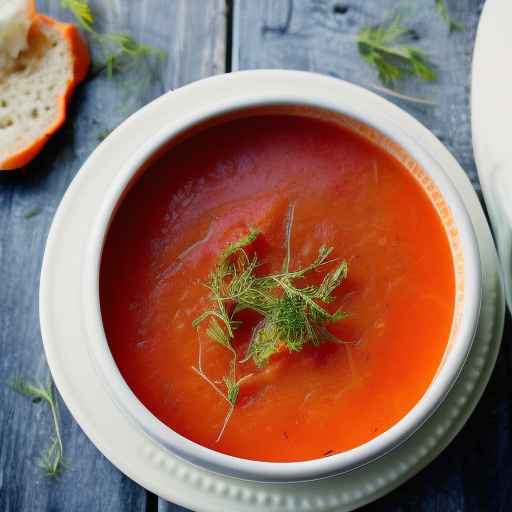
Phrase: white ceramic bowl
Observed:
(319, 96)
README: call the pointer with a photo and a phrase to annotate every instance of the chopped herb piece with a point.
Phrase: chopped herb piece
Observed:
(81, 11)
(240, 244)
(122, 52)
(33, 213)
(119, 49)
(442, 9)
(51, 459)
(103, 134)
(383, 46)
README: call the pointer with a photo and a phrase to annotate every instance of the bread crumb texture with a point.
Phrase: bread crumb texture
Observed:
(16, 17)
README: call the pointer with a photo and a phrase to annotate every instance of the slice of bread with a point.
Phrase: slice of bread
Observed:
(36, 87)
(15, 20)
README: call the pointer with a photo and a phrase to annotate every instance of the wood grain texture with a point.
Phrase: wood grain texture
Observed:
(320, 35)
(192, 32)
(475, 472)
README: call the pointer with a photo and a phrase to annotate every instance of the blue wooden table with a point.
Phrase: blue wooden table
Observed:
(201, 38)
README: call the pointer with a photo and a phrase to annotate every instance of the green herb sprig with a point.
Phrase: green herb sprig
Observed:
(383, 47)
(119, 49)
(229, 381)
(453, 25)
(34, 212)
(81, 11)
(292, 315)
(51, 459)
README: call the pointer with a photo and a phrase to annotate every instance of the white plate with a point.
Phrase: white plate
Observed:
(491, 112)
(125, 445)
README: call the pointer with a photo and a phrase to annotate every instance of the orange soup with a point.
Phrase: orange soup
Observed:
(346, 193)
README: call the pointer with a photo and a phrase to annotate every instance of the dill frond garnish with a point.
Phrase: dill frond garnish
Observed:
(453, 25)
(230, 382)
(81, 11)
(51, 459)
(293, 312)
(103, 134)
(120, 51)
(383, 47)
(33, 213)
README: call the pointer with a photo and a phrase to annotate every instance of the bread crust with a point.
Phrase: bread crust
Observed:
(81, 61)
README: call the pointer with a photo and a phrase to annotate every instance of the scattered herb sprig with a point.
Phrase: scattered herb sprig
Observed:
(119, 49)
(81, 11)
(34, 212)
(292, 315)
(51, 459)
(384, 47)
(453, 25)
(103, 134)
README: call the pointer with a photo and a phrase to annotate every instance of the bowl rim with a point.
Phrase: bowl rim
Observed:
(262, 471)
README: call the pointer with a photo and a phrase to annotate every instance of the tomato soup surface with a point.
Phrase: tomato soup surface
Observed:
(205, 193)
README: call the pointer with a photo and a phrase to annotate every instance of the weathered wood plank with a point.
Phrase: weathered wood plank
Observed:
(320, 35)
(193, 34)
(475, 472)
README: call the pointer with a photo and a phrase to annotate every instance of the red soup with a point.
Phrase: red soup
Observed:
(342, 191)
